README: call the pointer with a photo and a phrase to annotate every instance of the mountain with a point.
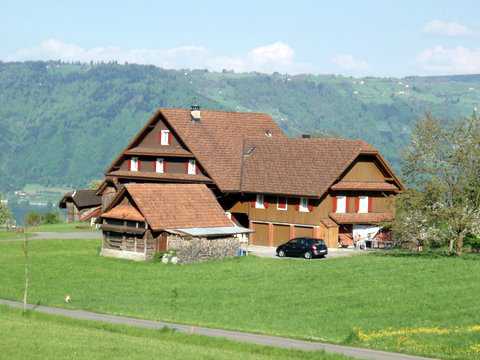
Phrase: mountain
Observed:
(61, 124)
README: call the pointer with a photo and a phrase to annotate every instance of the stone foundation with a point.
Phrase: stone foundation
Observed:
(194, 249)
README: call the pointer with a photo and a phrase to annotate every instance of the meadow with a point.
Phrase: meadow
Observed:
(38, 336)
(414, 304)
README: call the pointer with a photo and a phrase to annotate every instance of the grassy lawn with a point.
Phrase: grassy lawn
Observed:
(418, 305)
(39, 336)
(62, 227)
(9, 235)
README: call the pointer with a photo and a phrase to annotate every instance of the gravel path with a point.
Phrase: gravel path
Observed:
(275, 341)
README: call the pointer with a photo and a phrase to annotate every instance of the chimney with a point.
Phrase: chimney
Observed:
(306, 136)
(195, 112)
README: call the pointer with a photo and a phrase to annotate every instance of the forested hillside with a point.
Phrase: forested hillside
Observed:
(61, 124)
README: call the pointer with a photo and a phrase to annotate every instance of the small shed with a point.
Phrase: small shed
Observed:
(81, 205)
(144, 219)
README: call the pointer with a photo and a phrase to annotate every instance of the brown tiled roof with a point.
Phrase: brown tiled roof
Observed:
(159, 176)
(356, 218)
(81, 198)
(124, 212)
(217, 139)
(166, 151)
(299, 167)
(173, 206)
(357, 185)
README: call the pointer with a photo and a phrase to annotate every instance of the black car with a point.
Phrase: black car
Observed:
(306, 247)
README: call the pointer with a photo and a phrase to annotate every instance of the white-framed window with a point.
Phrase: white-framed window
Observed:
(165, 137)
(259, 202)
(363, 204)
(134, 164)
(282, 203)
(303, 206)
(159, 166)
(192, 167)
(341, 204)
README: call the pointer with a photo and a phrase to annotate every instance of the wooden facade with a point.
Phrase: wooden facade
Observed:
(213, 143)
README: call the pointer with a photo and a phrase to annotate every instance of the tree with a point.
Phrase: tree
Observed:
(5, 213)
(442, 165)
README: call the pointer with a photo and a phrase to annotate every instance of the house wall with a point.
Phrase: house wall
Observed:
(172, 165)
(152, 138)
(365, 168)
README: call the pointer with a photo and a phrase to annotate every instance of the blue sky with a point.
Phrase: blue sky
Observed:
(381, 38)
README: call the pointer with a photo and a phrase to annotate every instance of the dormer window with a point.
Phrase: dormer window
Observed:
(134, 164)
(165, 137)
(192, 167)
(159, 166)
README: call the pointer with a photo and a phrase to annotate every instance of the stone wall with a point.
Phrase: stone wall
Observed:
(193, 249)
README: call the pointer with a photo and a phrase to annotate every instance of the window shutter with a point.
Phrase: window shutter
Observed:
(195, 168)
(370, 204)
(265, 202)
(253, 201)
(309, 205)
(138, 164)
(357, 203)
(159, 137)
(129, 164)
(297, 204)
(164, 165)
(186, 167)
(334, 204)
(170, 137)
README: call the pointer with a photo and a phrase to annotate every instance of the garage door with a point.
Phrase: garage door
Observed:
(260, 237)
(281, 234)
(301, 231)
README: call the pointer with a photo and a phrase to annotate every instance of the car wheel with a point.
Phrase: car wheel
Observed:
(307, 255)
(281, 253)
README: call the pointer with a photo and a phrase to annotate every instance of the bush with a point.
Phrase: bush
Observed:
(33, 219)
(474, 242)
(51, 218)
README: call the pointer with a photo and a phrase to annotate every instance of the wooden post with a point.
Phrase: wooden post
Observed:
(270, 234)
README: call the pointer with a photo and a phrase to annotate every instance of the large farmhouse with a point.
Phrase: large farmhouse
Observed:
(278, 187)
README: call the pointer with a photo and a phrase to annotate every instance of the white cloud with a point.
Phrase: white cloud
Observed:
(350, 63)
(455, 60)
(273, 57)
(448, 28)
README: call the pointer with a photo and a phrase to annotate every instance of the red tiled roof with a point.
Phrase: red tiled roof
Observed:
(357, 185)
(159, 176)
(299, 167)
(173, 206)
(358, 218)
(91, 213)
(217, 139)
(124, 212)
(167, 151)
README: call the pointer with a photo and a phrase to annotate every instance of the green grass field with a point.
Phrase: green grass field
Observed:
(39, 336)
(418, 305)
(62, 227)
(10, 235)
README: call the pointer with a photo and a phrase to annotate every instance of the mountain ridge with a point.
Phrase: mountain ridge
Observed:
(62, 123)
